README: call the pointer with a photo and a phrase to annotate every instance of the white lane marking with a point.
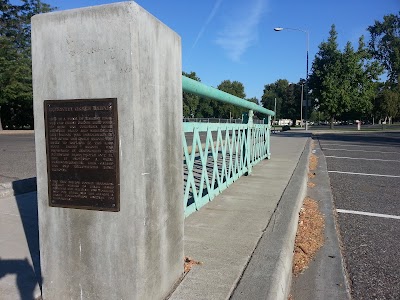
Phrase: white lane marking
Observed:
(351, 150)
(365, 174)
(357, 158)
(354, 212)
(357, 145)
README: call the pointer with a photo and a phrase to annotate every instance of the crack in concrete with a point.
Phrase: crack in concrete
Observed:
(11, 177)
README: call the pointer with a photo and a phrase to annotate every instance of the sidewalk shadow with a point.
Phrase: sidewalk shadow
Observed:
(293, 133)
(24, 186)
(26, 277)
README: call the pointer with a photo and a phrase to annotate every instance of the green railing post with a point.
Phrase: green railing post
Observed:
(245, 120)
(248, 119)
(249, 141)
(268, 137)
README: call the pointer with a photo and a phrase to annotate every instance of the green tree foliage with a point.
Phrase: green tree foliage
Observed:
(385, 44)
(317, 117)
(359, 76)
(195, 106)
(190, 101)
(387, 102)
(276, 90)
(390, 104)
(257, 115)
(291, 105)
(254, 100)
(287, 95)
(324, 80)
(201, 107)
(343, 82)
(15, 61)
(227, 111)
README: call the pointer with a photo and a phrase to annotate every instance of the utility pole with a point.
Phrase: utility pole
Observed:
(275, 115)
(308, 46)
(301, 106)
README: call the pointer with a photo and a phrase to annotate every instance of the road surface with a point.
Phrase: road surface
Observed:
(364, 171)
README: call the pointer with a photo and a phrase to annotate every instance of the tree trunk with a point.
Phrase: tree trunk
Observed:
(332, 120)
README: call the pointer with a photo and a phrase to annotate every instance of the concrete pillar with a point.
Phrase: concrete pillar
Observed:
(134, 251)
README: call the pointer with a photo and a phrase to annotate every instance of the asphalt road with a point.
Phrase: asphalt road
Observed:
(17, 156)
(364, 171)
(375, 127)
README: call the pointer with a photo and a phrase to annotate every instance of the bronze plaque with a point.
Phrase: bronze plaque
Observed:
(82, 153)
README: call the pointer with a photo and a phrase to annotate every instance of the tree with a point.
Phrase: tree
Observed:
(324, 80)
(391, 104)
(343, 82)
(15, 88)
(15, 61)
(385, 44)
(364, 74)
(317, 117)
(257, 114)
(276, 90)
(387, 102)
(227, 111)
(254, 100)
(203, 107)
(291, 104)
(190, 101)
(287, 95)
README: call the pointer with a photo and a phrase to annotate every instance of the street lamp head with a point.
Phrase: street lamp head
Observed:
(278, 28)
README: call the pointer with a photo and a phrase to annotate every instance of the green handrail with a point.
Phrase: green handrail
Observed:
(198, 88)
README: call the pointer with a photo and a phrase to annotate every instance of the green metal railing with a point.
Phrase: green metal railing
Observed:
(217, 154)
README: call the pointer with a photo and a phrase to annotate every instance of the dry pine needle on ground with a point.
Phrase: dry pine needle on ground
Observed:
(310, 235)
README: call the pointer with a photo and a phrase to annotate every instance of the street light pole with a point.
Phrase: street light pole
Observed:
(306, 112)
(308, 46)
(275, 116)
(301, 106)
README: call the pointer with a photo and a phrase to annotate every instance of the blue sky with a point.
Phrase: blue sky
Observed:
(234, 39)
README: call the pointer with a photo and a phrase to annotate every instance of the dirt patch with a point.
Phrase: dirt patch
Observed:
(310, 184)
(309, 237)
(189, 263)
(312, 165)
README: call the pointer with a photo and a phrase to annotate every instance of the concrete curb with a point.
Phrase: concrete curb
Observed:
(269, 272)
(17, 187)
(12, 132)
(326, 277)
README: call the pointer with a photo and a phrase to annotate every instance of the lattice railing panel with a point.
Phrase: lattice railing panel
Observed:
(216, 155)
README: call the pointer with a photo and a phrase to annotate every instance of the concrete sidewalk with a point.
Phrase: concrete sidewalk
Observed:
(253, 221)
(257, 211)
(19, 247)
